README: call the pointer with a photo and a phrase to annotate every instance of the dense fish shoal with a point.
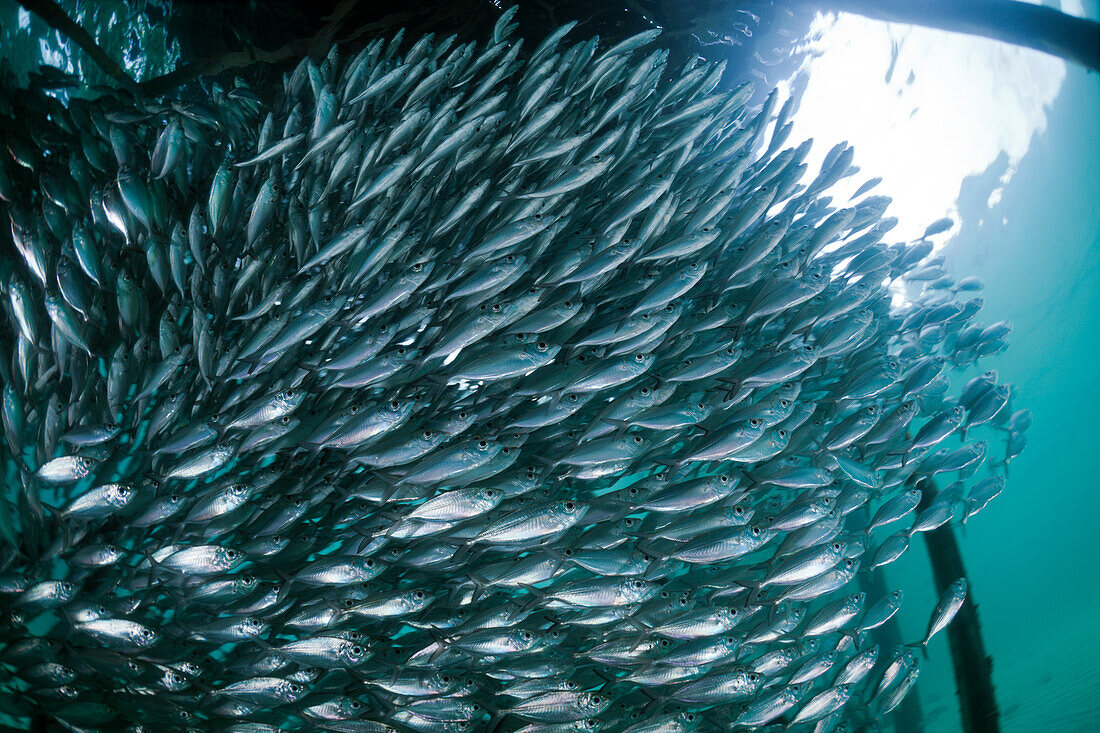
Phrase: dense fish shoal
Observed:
(462, 387)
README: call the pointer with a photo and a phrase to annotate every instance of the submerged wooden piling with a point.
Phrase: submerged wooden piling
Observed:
(908, 717)
(973, 666)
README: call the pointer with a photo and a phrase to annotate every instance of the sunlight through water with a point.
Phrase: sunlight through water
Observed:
(923, 108)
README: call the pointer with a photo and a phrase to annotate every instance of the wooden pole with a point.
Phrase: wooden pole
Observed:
(973, 666)
(908, 716)
(1020, 23)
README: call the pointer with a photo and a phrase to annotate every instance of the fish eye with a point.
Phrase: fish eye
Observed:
(369, 563)
(527, 635)
(327, 299)
(231, 554)
(538, 216)
(570, 506)
(756, 531)
(67, 587)
(782, 433)
(355, 704)
(724, 478)
(348, 603)
(637, 439)
(357, 650)
(496, 308)
(417, 267)
(706, 229)
(394, 404)
(645, 316)
(639, 357)
(483, 444)
(754, 422)
(700, 405)
(568, 304)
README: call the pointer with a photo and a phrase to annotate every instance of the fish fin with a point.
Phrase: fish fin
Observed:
(539, 597)
(622, 425)
(440, 642)
(922, 644)
(643, 633)
(391, 485)
(554, 555)
(465, 549)
(481, 588)
(154, 567)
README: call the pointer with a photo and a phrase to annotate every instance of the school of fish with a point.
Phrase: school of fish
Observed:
(464, 387)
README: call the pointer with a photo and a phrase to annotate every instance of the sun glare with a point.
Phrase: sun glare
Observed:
(923, 108)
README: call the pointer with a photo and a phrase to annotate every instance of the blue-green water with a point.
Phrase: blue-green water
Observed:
(1033, 556)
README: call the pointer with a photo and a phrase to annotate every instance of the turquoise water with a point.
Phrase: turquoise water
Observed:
(1031, 555)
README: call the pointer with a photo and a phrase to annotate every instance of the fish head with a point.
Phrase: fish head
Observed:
(570, 508)
(117, 494)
